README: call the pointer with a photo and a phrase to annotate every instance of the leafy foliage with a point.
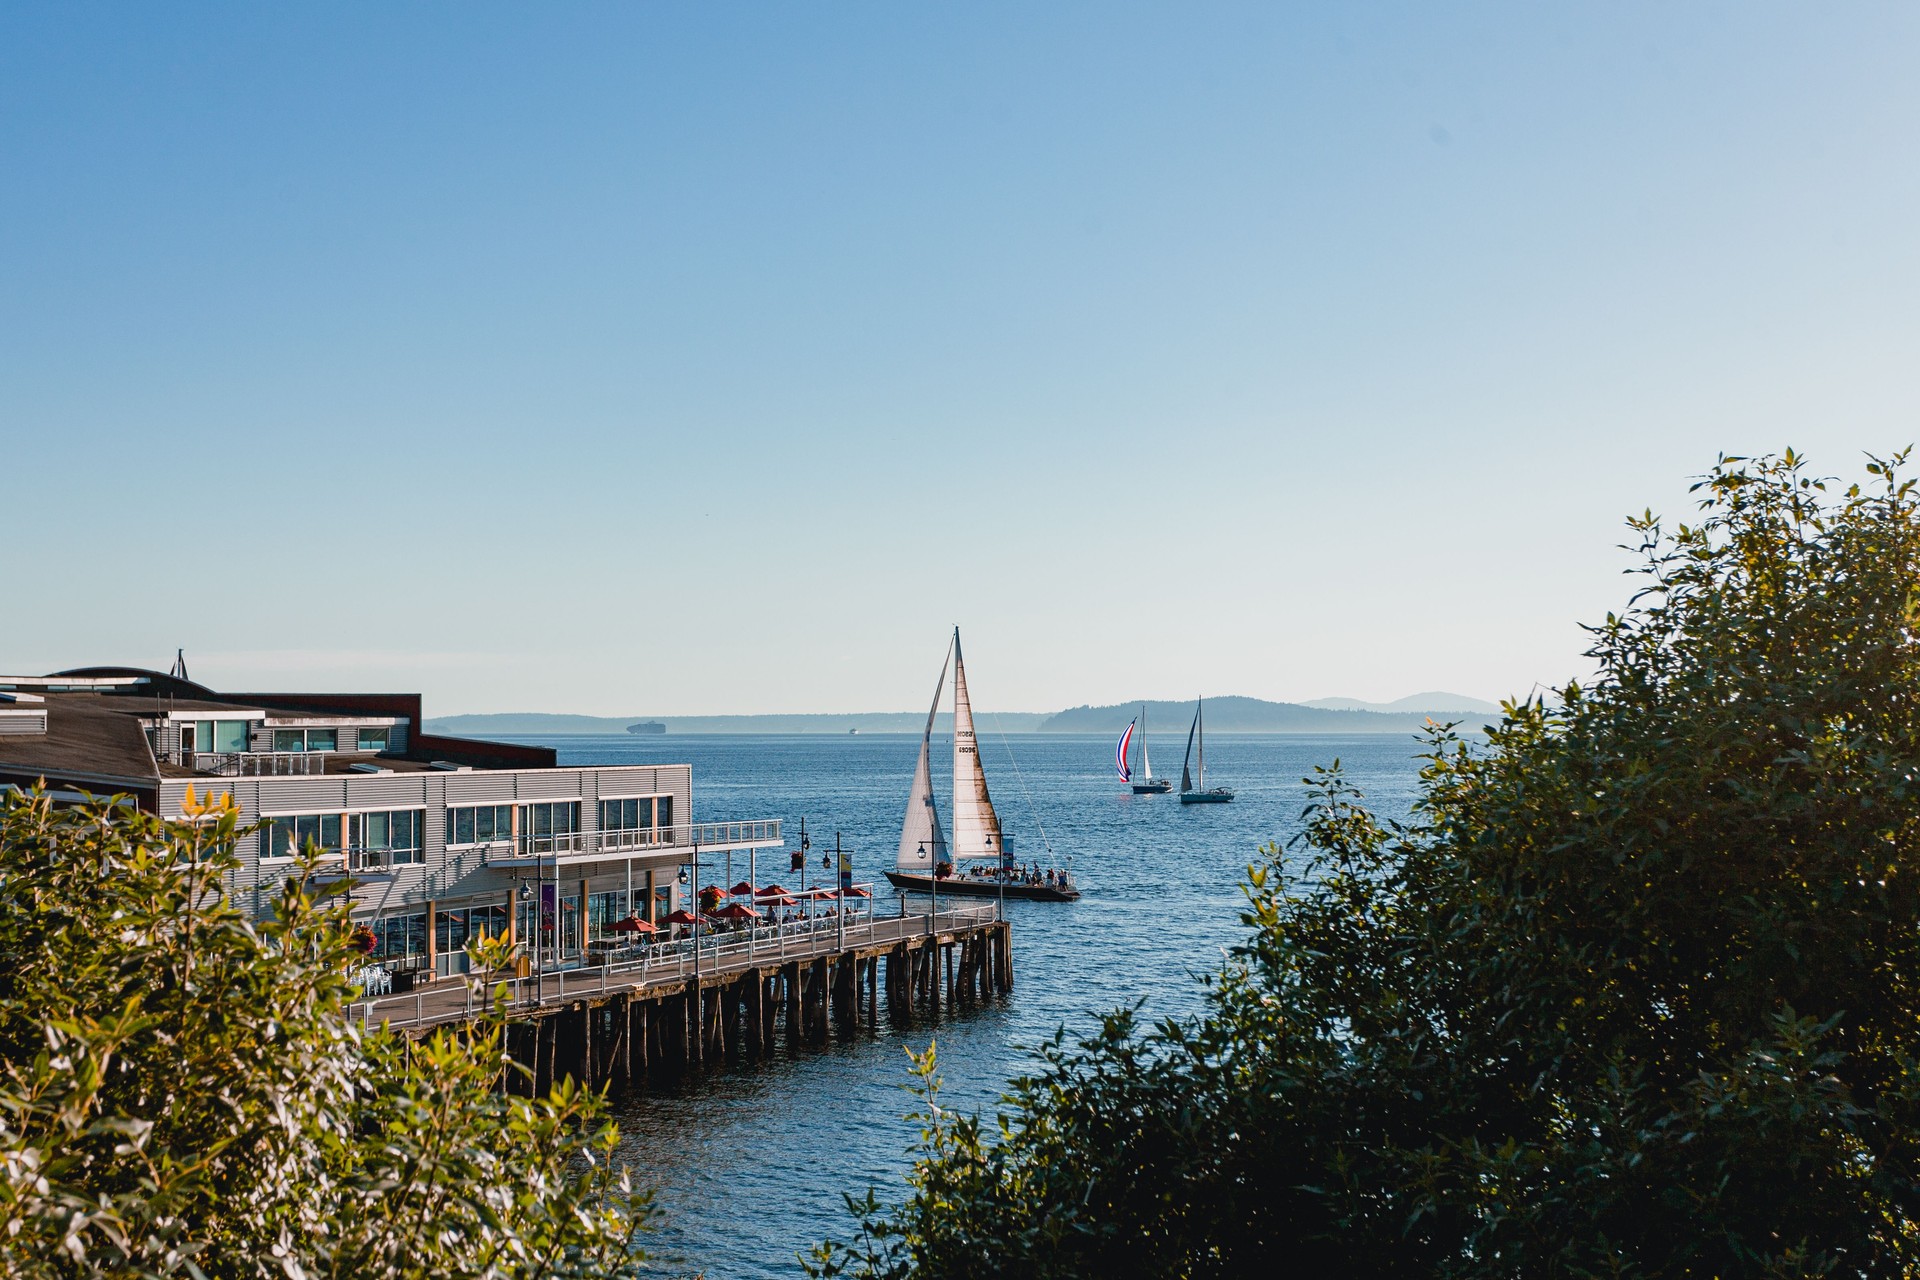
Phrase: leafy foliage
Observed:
(182, 1093)
(1632, 994)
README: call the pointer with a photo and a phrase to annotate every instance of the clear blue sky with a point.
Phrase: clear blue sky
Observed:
(714, 358)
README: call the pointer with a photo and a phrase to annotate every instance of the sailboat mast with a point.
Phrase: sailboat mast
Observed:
(1146, 765)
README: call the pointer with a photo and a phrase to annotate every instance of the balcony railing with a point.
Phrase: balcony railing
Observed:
(378, 861)
(247, 764)
(575, 844)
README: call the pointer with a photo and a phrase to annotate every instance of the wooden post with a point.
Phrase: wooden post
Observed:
(692, 998)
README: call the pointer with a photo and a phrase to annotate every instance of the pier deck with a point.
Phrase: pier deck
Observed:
(662, 1010)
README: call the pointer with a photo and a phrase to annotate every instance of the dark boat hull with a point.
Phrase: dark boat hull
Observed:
(1218, 795)
(967, 887)
(1158, 787)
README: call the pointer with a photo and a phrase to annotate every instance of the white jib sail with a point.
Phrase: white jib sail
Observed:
(976, 827)
(922, 844)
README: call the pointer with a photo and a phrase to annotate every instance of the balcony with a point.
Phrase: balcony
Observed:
(588, 846)
(248, 764)
(364, 864)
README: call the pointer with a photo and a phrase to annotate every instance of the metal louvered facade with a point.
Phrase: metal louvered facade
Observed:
(445, 877)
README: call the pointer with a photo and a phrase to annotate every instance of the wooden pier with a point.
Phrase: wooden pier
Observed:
(668, 1011)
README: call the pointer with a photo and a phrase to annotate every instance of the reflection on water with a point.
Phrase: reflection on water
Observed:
(751, 1162)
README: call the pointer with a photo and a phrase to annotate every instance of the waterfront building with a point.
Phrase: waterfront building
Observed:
(436, 838)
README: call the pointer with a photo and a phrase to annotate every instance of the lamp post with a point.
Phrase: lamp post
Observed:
(696, 917)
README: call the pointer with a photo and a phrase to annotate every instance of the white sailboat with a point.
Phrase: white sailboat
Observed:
(927, 860)
(1190, 793)
(1147, 784)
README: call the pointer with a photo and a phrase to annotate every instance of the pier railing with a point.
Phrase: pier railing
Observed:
(719, 955)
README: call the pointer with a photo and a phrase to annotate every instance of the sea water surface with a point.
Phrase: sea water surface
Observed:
(750, 1162)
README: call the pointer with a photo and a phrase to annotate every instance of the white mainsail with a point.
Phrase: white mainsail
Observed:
(922, 845)
(976, 827)
(1146, 765)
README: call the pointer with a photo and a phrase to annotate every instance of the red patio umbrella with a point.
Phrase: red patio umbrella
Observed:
(771, 891)
(742, 889)
(682, 916)
(737, 911)
(775, 900)
(856, 892)
(632, 924)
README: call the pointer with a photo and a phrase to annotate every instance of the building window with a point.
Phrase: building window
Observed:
(399, 937)
(291, 833)
(213, 735)
(550, 827)
(487, 922)
(663, 811)
(397, 833)
(306, 739)
(605, 908)
(626, 815)
(451, 928)
(374, 739)
(486, 824)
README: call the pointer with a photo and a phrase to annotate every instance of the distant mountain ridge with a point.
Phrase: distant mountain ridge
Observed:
(1225, 715)
(544, 724)
(1430, 703)
(1245, 715)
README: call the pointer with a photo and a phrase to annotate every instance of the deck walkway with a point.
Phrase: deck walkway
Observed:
(724, 958)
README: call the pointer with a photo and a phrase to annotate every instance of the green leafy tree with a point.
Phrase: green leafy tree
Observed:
(1633, 993)
(183, 1093)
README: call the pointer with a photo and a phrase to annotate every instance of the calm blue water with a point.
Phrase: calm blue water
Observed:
(750, 1162)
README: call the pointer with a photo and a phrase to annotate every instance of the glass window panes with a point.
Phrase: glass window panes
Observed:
(322, 739)
(289, 739)
(189, 736)
(292, 833)
(372, 739)
(451, 926)
(489, 922)
(626, 815)
(484, 824)
(663, 811)
(397, 937)
(229, 735)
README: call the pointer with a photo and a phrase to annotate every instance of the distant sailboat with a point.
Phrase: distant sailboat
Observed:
(1189, 793)
(927, 859)
(1148, 785)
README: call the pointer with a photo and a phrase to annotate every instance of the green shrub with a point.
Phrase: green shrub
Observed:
(183, 1093)
(1632, 994)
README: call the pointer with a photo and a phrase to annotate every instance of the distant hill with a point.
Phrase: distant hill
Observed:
(1432, 704)
(1227, 715)
(536, 724)
(1238, 715)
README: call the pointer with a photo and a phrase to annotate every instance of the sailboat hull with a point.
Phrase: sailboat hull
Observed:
(1214, 795)
(1158, 787)
(968, 887)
